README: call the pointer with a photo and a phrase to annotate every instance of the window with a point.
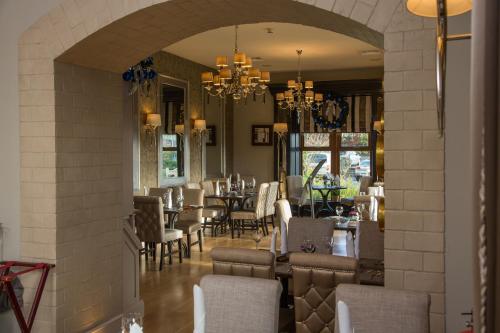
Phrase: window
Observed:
(169, 156)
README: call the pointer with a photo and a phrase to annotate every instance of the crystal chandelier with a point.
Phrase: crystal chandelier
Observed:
(240, 81)
(299, 96)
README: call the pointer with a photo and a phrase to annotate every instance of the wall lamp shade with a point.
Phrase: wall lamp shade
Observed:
(179, 129)
(153, 120)
(428, 8)
(200, 125)
(280, 128)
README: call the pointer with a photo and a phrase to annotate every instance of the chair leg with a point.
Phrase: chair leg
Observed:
(169, 245)
(263, 226)
(204, 223)
(241, 227)
(179, 244)
(162, 255)
(272, 221)
(200, 240)
(231, 226)
(146, 248)
(188, 246)
(154, 251)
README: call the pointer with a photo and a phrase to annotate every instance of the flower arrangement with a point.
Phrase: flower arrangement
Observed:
(141, 75)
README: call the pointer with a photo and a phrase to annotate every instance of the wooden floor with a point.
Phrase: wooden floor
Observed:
(168, 295)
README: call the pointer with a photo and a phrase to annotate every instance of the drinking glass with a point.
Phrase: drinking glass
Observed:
(257, 237)
(339, 210)
(329, 243)
(132, 323)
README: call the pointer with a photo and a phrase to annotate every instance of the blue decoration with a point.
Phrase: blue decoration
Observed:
(336, 123)
(141, 75)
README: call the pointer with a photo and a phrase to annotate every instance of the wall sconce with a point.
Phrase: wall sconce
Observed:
(179, 129)
(378, 126)
(153, 121)
(200, 126)
(441, 9)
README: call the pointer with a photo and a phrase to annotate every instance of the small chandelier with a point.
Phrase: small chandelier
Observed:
(240, 81)
(298, 98)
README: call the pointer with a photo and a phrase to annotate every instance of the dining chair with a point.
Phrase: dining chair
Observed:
(316, 231)
(315, 279)
(382, 310)
(283, 213)
(271, 196)
(239, 304)
(256, 215)
(364, 183)
(243, 262)
(192, 186)
(297, 193)
(190, 219)
(213, 209)
(150, 228)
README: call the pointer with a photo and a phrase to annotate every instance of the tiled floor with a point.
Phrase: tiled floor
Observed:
(167, 295)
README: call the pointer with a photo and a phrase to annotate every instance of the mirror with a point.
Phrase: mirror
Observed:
(214, 112)
(173, 145)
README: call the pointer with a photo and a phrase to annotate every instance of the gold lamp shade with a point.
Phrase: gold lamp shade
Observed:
(239, 58)
(216, 80)
(428, 8)
(244, 80)
(179, 129)
(248, 63)
(225, 74)
(291, 84)
(318, 97)
(309, 95)
(221, 61)
(309, 84)
(280, 96)
(254, 73)
(207, 77)
(265, 77)
(153, 120)
(280, 128)
(289, 95)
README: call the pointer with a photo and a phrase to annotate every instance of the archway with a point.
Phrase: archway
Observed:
(71, 136)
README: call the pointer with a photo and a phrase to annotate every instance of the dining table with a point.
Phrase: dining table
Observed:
(325, 190)
(229, 199)
(172, 213)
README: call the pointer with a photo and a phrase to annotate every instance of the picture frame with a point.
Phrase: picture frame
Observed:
(262, 135)
(211, 135)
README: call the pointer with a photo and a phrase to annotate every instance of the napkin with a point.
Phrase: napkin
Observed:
(273, 240)
(284, 231)
(349, 244)
(345, 325)
(199, 310)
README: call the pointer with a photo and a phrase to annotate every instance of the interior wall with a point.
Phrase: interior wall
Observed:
(248, 159)
(459, 209)
(214, 115)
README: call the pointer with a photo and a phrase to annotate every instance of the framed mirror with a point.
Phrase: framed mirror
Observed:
(173, 138)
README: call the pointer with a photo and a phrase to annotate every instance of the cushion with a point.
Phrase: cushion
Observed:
(244, 215)
(211, 213)
(188, 227)
(172, 234)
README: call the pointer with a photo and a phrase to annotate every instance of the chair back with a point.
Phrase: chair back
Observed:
(284, 213)
(382, 310)
(240, 304)
(364, 183)
(369, 242)
(272, 194)
(294, 186)
(260, 207)
(149, 221)
(318, 231)
(192, 185)
(315, 279)
(192, 197)
(243, 262)
(158, 191)
(209, 187)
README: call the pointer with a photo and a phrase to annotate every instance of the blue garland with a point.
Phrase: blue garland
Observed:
(326, 124)
(141, 75)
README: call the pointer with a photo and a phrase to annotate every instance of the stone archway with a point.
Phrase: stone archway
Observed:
(70, 110)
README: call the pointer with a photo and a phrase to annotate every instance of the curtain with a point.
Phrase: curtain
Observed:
(485, 92)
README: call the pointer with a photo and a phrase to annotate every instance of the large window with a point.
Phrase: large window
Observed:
(347, 155)
(169, 156)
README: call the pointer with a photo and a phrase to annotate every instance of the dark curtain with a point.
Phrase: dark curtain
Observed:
(485, 109)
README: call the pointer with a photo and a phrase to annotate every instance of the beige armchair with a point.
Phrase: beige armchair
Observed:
(381, 310)
(190, 220)
(213, 209)
(297, 193)
(240, 304)
(272, 195)
(318, 231)
(150, 228)
(243, 262)
(256, 216)
(315, 279)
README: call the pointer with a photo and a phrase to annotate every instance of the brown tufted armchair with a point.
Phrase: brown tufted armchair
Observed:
(190, 220)
(315, 278)
(150, 227)
(243, 262)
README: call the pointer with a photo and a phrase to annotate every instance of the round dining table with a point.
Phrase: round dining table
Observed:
(325, 191)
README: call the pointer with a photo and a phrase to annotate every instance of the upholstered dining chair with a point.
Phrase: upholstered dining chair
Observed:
(317, 231)
(157, 191)
(190, 220)
(284, 214)
(381, 310)
(272, 195)
(192, 186)
(213, 209)
(243, 262)
(297, 193)
(256, 216)
(239, 304)
(315, 279)
(150, 227)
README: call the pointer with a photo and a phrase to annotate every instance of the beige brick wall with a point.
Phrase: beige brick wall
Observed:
(54, 157)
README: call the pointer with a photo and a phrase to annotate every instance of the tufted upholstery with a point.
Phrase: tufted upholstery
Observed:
(192, 197)
(240, 304)
(390, 311)
(158, 191)
(243, 262)
(315, 278)
(271, 197)
(318, 231)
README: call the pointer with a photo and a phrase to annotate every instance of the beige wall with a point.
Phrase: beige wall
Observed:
(248, 159)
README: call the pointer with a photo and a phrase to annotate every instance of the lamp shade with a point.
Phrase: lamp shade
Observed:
(280, 128)
(289, 94)
(318, 97)
(216, 80)
(291, 84)
(309, 84)
(225, 74)
(179, 129)
(254, 73)
(265, 77)
(221, 61)
(280, 96)
(153, 120)
(239, 58)
(309, 95)
(244, 80)
(207, 77)
(428, 8)
(200, 124)
(248, 63)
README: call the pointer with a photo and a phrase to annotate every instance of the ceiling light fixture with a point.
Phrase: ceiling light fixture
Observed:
(299, 96)
(239, 82)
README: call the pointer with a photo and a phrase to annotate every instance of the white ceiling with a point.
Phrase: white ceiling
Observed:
(322, 49)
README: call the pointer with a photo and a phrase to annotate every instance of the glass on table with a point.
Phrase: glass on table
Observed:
(339, 209)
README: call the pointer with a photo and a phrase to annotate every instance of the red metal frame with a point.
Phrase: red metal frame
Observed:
(6, 278)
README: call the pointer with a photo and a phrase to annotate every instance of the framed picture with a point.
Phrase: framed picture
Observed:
(211, 136)
(262, 135)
